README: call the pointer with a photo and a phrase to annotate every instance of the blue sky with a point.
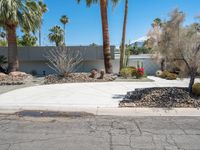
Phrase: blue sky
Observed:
(85, 24)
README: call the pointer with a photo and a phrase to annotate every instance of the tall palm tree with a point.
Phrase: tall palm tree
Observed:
(157, 22)
(64, 20)
(105, 30)
(122, 48)
(56, 35)
(18, 13)
(44, 9)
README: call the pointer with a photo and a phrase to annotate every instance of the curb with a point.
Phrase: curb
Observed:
(103, 111)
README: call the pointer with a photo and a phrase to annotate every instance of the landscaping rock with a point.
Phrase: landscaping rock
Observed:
(77, 78)
(102, 73)
(14, 78)
(93, 74)
(2, 75)
(17, 74)
(160, 97)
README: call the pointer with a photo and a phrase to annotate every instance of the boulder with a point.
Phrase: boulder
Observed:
(102, 73)
(93, 74)
(18, 74)
(2, 75)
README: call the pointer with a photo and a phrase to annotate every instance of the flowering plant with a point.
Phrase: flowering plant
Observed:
(140, 72)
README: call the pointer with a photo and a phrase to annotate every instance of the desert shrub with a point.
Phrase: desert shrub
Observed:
(3, 60)
(171, 76)
(63, 60)
(168, 75)
(196, 89)
(164, 74)
(128, 72)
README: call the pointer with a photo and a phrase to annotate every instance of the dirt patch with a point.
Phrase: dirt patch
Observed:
(160, 97)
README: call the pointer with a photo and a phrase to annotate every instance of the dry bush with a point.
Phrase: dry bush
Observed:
(180, 45)
(63, 60)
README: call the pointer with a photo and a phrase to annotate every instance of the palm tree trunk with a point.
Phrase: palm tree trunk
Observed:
(13, 64)
(122, 51)
(64, 36)
(40, 41)
(106, 38)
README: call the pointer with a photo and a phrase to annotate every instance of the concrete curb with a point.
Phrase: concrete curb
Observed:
(132, 112)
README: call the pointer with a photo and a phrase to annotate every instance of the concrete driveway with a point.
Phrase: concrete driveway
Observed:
(90, 95)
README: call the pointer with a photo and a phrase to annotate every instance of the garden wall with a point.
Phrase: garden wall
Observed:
(32, 59)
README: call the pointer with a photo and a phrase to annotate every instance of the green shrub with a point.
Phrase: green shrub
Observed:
(196, 89)
(169, 76)
(128, 72)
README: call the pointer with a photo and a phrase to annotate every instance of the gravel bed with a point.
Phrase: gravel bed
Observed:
(170, 97)
(77, 78)
(28, 82)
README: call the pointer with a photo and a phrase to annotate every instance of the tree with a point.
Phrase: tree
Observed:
(56, 35)
(27, 40)
(64, 20)
(122, 49)
(155, 35)
(181, 45)
(44, 9)
(157, 22)
(18, 13)
(105, 31)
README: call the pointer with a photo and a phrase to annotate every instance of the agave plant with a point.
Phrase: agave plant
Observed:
(3, 61)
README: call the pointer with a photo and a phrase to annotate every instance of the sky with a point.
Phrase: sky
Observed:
(85, 23)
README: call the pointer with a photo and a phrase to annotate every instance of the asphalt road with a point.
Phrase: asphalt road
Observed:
(99, 133)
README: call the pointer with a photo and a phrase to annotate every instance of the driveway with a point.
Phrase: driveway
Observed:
(100, 133)
(90, 95)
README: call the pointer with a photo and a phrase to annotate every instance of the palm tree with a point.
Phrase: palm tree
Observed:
(64, 20)
(56, 35)
(122, 51)
(105, 29)
(44, 9)
(18, 13)
(157, 22)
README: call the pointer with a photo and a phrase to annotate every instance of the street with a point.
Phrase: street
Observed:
(99, 133)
